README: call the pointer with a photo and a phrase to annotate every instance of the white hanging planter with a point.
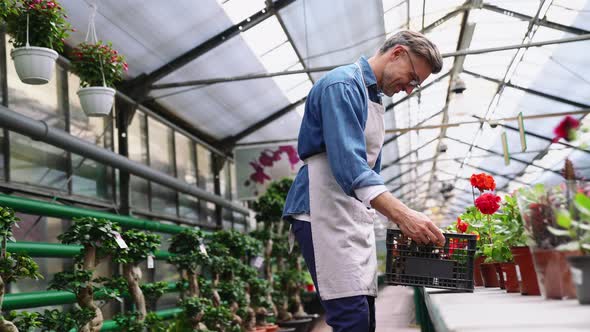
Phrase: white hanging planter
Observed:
(96, 100)
(34, 65)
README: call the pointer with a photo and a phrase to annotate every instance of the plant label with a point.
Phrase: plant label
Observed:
(505, 275)
(120, 242)
(203, 249)
(257, 262)
(576, 275)
(518, 273)
(150, 262)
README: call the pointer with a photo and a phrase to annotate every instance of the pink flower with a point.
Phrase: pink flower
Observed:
(566, 129)
(291, 152)
(266, 159)
(258, 176)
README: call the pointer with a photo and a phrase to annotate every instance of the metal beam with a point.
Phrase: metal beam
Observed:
(543, 21)
(528, 163)
(394, 137)
(39, 130)
(529, 90)
(210, 81)
(141, 84)
(230, 141)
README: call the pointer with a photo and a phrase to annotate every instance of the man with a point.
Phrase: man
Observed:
(329, 204)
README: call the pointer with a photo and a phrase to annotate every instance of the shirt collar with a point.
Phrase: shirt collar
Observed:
(368, 73)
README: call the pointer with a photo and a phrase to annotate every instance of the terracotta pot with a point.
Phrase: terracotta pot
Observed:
(272, 328)
(477, 279)
(500, 276)
(525, 270)
(510, 278)
(553, 273)
(489, 275)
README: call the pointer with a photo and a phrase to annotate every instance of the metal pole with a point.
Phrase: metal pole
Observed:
(39, 130)
(328, 68)
(58, 250)
(31, 206)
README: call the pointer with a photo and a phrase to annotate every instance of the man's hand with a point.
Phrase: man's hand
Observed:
(420, 228)
(413, 224)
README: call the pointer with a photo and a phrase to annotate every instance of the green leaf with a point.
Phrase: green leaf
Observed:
(582, 203)
(563, 219)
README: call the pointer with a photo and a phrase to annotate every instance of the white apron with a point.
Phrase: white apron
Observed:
(342, 227)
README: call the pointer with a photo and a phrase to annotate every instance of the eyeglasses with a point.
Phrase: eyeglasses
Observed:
(415, 82)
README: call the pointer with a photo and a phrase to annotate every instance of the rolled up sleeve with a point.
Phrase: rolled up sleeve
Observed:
(343, 119)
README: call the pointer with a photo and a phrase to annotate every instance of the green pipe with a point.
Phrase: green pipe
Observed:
(110, 325)
(31, 206)
(40, 249)
(52, 297)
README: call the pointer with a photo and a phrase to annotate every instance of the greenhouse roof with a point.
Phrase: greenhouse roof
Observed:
(192, 58)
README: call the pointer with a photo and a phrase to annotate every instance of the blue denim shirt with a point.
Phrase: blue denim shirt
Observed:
(334, 122)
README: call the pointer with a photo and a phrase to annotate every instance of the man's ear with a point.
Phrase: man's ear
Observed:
(396, 52)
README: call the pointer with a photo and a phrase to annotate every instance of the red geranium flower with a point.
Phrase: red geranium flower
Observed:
(566, 129)
(483, 181)
(488, 203)
(461, 225)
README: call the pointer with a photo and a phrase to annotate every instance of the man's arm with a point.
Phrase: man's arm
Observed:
(413, 224)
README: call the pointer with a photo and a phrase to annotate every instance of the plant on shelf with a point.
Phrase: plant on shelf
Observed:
(59, 320)
(140, 246)
(12, 266)
(25, 321)
(190, 255)
(99, 239)
(131, 322)
(152, 292)
(99, 67)
(38, 29)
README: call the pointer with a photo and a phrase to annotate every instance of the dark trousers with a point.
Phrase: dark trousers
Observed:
(347, 314)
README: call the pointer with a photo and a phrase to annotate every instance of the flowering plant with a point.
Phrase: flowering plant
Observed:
(47, 23)
(566, 129)
(91, 61)
(482, 182)
(488, 203)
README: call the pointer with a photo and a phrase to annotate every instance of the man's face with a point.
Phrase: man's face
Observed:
(403, 71)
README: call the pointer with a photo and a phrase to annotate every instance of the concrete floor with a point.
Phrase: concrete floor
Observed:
(394, 311)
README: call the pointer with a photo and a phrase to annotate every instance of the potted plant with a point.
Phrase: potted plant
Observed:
(99, 67)
(99, 239)
(549, 248)
(511, 228)
(12, 266)
(140, 245)
(573, 217)
(37, 29)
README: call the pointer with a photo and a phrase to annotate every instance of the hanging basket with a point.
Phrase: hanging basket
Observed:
(34, 65)
(96, 100)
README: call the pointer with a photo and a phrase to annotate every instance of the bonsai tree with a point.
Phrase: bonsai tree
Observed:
(98, 238)
(12, 266)
(58, 320)
(152, 293)
(139, 246)
(46, 21)
(131, 322)
(25, 321)
(190, 254)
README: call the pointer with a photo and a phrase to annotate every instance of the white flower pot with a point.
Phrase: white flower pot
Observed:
(34, 65)
(96, 100)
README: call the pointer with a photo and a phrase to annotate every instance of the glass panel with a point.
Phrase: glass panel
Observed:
(137, 139)
(188, 206)
(2, 160)
(162, 159)
(40, 229)
(89, 177)
(205, 181)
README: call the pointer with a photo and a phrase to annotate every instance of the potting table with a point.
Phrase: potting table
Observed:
(492, 309)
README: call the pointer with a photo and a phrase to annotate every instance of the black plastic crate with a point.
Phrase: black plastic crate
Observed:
(448, 267)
